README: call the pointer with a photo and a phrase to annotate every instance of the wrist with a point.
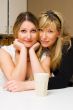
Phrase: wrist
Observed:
(31, 51)
(29, 85)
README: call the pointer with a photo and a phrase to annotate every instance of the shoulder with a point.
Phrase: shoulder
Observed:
(9, 49)
(4, 49)
(3, 54)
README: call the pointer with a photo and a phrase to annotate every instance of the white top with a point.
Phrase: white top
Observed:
(58, 99)
(10, 49)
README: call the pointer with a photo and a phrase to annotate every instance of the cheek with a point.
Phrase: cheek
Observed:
(54, 37)
(19, 36)
(53, 40)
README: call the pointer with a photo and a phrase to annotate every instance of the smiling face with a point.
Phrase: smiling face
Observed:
(25, 28)
(48, 35)
(28, 34)
(50, 27)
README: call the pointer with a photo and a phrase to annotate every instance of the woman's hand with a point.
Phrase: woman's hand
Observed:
(35, 47)
(18, 45)
(15, 86)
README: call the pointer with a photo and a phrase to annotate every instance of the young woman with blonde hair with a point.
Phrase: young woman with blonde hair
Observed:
(56, 39)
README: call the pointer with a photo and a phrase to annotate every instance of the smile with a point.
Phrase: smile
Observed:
(27, 40)
(44, 41)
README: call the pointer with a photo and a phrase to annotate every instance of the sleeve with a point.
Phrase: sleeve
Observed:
(63, 75)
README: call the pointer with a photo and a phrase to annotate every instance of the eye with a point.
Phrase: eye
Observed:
(23, 31)
(50, 31)
(40, 30)
(33, 30)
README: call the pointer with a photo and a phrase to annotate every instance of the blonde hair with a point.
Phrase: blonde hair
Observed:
(55, 17)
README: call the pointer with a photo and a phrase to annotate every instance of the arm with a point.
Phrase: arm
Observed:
(15, 85)
(38, 66)
(11, 70)
(60, 80)
(6, 64)
(62, 75)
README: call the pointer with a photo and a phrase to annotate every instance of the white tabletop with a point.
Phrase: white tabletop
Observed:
(59, 99)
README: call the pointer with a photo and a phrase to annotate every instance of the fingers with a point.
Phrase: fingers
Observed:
(18, 45)
(11, 86)
(16, 42)
(35, 46)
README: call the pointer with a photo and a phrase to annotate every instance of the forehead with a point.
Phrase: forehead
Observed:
(27, 24)
(49, 24)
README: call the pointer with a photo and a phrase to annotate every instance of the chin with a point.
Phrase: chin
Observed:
(28, 46)
(44, 45)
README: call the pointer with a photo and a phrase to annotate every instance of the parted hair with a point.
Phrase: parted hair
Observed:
(24, 16)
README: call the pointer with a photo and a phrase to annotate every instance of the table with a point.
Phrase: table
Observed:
(58, 99)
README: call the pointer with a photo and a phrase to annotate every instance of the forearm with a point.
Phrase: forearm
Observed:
(35, 63)
(20, 70)
(29, 85)
(14, 70)
(15, 85)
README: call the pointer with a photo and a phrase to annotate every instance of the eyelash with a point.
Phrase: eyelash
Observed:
(46, 31)
(50, 31)
(23, 30)
(31, 31)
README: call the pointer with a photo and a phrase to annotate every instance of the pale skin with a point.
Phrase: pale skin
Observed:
(37, 66)
(26, 60)
(48, 37)
(25, 40)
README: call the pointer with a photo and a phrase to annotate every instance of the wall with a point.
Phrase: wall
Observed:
(64, 6)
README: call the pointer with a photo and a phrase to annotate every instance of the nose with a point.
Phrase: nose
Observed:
(43, 36)
(28, 35)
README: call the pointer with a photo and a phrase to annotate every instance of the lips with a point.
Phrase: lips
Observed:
(27, 40)
(44, 41)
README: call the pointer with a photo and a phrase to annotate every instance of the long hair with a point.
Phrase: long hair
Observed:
(52, 17)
